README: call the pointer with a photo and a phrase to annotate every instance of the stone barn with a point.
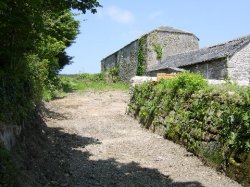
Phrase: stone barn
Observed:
(230, 60)
(153, 48)
(169, 50)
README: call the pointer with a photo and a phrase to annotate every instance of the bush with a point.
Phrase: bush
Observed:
(211, 121)
(187, 83)
(114, 74)
(18, 96)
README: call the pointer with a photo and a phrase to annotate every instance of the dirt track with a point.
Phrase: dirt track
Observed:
(101, 146)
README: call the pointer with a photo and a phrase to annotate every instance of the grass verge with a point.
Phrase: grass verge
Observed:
(83, 82)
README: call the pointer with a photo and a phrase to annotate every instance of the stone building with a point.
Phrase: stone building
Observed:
(180, 51)
(230, 60)
(156, 46)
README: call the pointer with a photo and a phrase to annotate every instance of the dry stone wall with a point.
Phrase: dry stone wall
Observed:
(209, 122)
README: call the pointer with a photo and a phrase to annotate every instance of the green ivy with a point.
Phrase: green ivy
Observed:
(158, 50)
(114, 74)
(141, 57)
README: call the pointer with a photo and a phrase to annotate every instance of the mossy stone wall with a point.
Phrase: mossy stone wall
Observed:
(212, 122)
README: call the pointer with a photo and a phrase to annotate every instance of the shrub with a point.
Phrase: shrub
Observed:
(211, 121)
(187, 83)
(114, 74)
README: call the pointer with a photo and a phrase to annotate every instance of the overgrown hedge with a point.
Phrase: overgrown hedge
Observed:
(211, 121)
(34, 36)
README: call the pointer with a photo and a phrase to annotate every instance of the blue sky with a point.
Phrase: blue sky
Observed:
(119, 22)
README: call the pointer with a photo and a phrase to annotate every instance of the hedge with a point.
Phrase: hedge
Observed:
(211, 121)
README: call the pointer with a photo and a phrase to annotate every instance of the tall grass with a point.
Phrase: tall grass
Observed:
(86, 82)
(83, 82)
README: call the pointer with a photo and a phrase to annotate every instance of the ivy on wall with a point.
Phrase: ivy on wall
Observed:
(155, 45)
(158, 50)
(141, 57)
(114, 73)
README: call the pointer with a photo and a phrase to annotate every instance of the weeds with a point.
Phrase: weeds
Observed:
(83, 82)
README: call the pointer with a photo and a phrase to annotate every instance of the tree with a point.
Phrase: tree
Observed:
(34, 35)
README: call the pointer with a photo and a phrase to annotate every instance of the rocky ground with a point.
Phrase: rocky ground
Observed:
(87, 140)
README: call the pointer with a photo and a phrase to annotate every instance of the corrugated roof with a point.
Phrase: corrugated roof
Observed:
(202, 55)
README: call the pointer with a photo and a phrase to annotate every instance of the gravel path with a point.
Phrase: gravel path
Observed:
(104, 147)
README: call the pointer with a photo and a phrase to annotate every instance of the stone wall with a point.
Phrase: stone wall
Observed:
(207, 132)
(171, 44)
(126, 59)
(236, 68)
(216, 69)
(154, 73)
(239, 65)
(109, 62)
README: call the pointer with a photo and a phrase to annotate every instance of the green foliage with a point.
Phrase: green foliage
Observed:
(158, 50)
(186, 83)
(114, 74)
(7, 169)
(34, 35)
(85, 81)
(17, 99)
(141, 57)
(211, 121)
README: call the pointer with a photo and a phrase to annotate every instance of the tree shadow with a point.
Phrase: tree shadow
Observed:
(45, 112)
(51, 157)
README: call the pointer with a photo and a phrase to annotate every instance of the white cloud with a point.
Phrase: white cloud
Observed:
(120, 15)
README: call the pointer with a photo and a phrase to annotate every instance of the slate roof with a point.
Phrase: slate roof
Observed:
(202, 55)
(174, 30)
(171, 29)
